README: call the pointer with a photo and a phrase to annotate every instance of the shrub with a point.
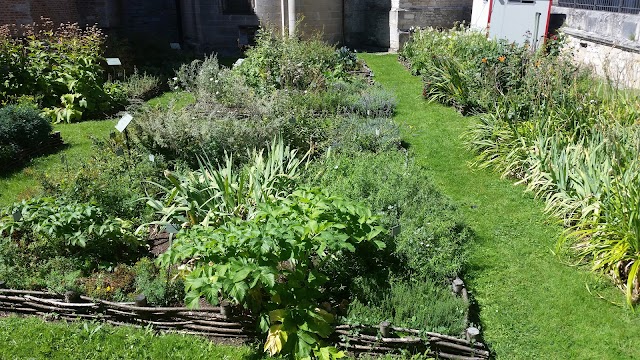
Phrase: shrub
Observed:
(22, 128)
(141, 86)
(289, 63)
(433, 235)
(59, 66)
(354, 134)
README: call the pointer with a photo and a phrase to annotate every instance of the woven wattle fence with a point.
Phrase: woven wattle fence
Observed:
(389, 339)
(218, 322)
(213, 321)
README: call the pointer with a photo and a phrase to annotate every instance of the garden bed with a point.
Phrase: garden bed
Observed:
(287, 194)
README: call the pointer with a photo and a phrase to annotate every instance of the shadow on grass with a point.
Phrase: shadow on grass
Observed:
(19, 165)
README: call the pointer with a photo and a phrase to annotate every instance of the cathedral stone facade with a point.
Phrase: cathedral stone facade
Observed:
(227, 25)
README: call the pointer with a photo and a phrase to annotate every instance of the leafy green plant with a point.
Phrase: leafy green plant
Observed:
(71, 225)
(59, 66)
(271, 264)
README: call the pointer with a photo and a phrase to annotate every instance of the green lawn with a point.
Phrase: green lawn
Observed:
(24, 182)
(31, 338)
(532, 305)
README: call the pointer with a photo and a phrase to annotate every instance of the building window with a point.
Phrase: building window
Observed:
(237, 7)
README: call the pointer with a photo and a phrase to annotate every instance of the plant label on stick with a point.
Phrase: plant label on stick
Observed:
(172, 229)
(395, 231)
(114, 62)
(124, 122)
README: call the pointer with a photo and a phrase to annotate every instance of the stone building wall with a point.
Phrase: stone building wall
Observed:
(406, 14)
(137, 18)
(22, 12)
(607, 41)
(205, 25)
(367, 24)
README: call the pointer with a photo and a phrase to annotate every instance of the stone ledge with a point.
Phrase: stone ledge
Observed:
(603, 40)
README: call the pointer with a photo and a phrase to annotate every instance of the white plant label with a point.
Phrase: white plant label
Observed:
(172, 229)
(114, 62)
(124, 122)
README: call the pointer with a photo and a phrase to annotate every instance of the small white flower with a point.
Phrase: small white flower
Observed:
(216, 81)
(211, 79)
(175, 78)
(175, 88)
(217, 92)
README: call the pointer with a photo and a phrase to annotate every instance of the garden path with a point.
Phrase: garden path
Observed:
(532, 305)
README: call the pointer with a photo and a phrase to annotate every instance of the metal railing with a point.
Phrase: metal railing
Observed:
(620, 6)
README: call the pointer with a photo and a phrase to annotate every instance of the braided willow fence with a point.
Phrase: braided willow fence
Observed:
(212, 321)
(389, 339)
(219, 322)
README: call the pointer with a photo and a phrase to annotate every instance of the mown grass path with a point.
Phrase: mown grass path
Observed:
(532, 306)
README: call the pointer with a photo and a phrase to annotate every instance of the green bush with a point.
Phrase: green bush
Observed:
(433, 236)
(141, 86)
(355, 134)
(22, 128)
(59, 66)
(272, 265)
(289, 63)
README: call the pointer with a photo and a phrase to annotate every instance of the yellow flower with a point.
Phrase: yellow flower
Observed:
(484, 60)
(108, 288)
(502, 58)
